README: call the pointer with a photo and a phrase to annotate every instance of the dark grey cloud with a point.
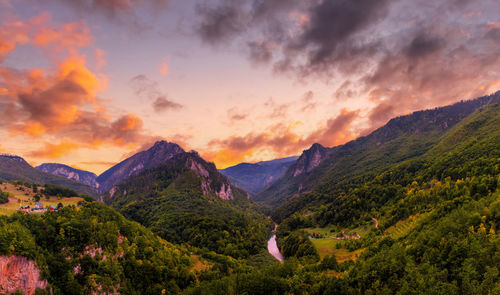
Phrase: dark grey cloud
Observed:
(404, 55)
(333, 23)
(222, 22)
(260, 52)
(423, 44)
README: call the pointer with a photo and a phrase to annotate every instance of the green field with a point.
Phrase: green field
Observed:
(327, 244)
(24, 196)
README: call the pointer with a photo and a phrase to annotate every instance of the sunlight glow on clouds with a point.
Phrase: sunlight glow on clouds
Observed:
(89, 82)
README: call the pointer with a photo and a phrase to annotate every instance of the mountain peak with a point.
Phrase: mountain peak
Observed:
(13, 157)
(310, 159)
(165, 145)
(158, 154)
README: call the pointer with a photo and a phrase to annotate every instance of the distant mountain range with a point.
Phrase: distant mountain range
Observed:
(253, 177)
(274, 182)
(16, 168)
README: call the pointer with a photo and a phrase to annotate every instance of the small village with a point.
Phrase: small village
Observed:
(37, 208)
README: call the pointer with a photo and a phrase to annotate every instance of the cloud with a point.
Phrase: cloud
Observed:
(164, 67)
(281, 141)
(308, 102)
(149, 89)
(235, 115)
(100, 57)
(115, 8)
(220, 23)
(54, 151)
(162, 104)
(260, 52)
(98, 163)
(60, 101)
(276, 110)
(402, 55)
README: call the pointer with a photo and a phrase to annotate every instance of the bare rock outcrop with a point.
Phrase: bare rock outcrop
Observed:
(19, 273)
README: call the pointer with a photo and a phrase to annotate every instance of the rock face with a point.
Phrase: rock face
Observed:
(212, 182)
(309, 159)
(161, 152)
(19, 273)
(253, 177)
(86, 177)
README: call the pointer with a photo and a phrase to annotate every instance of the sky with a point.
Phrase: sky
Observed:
(88, 83)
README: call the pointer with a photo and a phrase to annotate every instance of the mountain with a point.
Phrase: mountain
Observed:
(402, 138)
(418, 207)
(156, 155)
(16, 168)
(253, 177)
(186, 200)
(308, 160)
(82, 176)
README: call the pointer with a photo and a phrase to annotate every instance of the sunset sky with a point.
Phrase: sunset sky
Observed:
(90, 82)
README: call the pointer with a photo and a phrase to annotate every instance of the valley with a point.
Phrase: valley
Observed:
(418, 212)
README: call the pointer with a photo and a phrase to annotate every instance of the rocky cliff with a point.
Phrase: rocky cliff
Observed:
(86, 177)
(309, 159)
(19, 273)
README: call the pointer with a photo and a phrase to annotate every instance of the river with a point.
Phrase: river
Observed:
(272, 247)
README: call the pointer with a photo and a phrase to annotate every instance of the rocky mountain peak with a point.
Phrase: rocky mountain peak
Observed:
(310, 159)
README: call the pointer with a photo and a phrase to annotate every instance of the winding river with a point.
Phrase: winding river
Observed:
(272, 247)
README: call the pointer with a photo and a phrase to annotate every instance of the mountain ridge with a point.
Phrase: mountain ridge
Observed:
(253, 177)
(63, 170)
(14, 168)
(402, 137)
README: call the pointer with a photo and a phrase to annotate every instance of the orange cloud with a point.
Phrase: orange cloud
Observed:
(60, 101)
(72, 35)
(282, 141)
(54, 151)
(12, 33)
(164, 68)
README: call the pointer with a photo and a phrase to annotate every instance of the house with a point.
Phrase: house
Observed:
(53, 208)
(38, 205)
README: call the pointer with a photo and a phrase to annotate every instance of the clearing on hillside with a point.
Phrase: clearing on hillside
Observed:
(24, 196)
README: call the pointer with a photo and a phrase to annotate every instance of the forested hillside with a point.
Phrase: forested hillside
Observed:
(186, 200)
(359, 161)
(92, 249)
